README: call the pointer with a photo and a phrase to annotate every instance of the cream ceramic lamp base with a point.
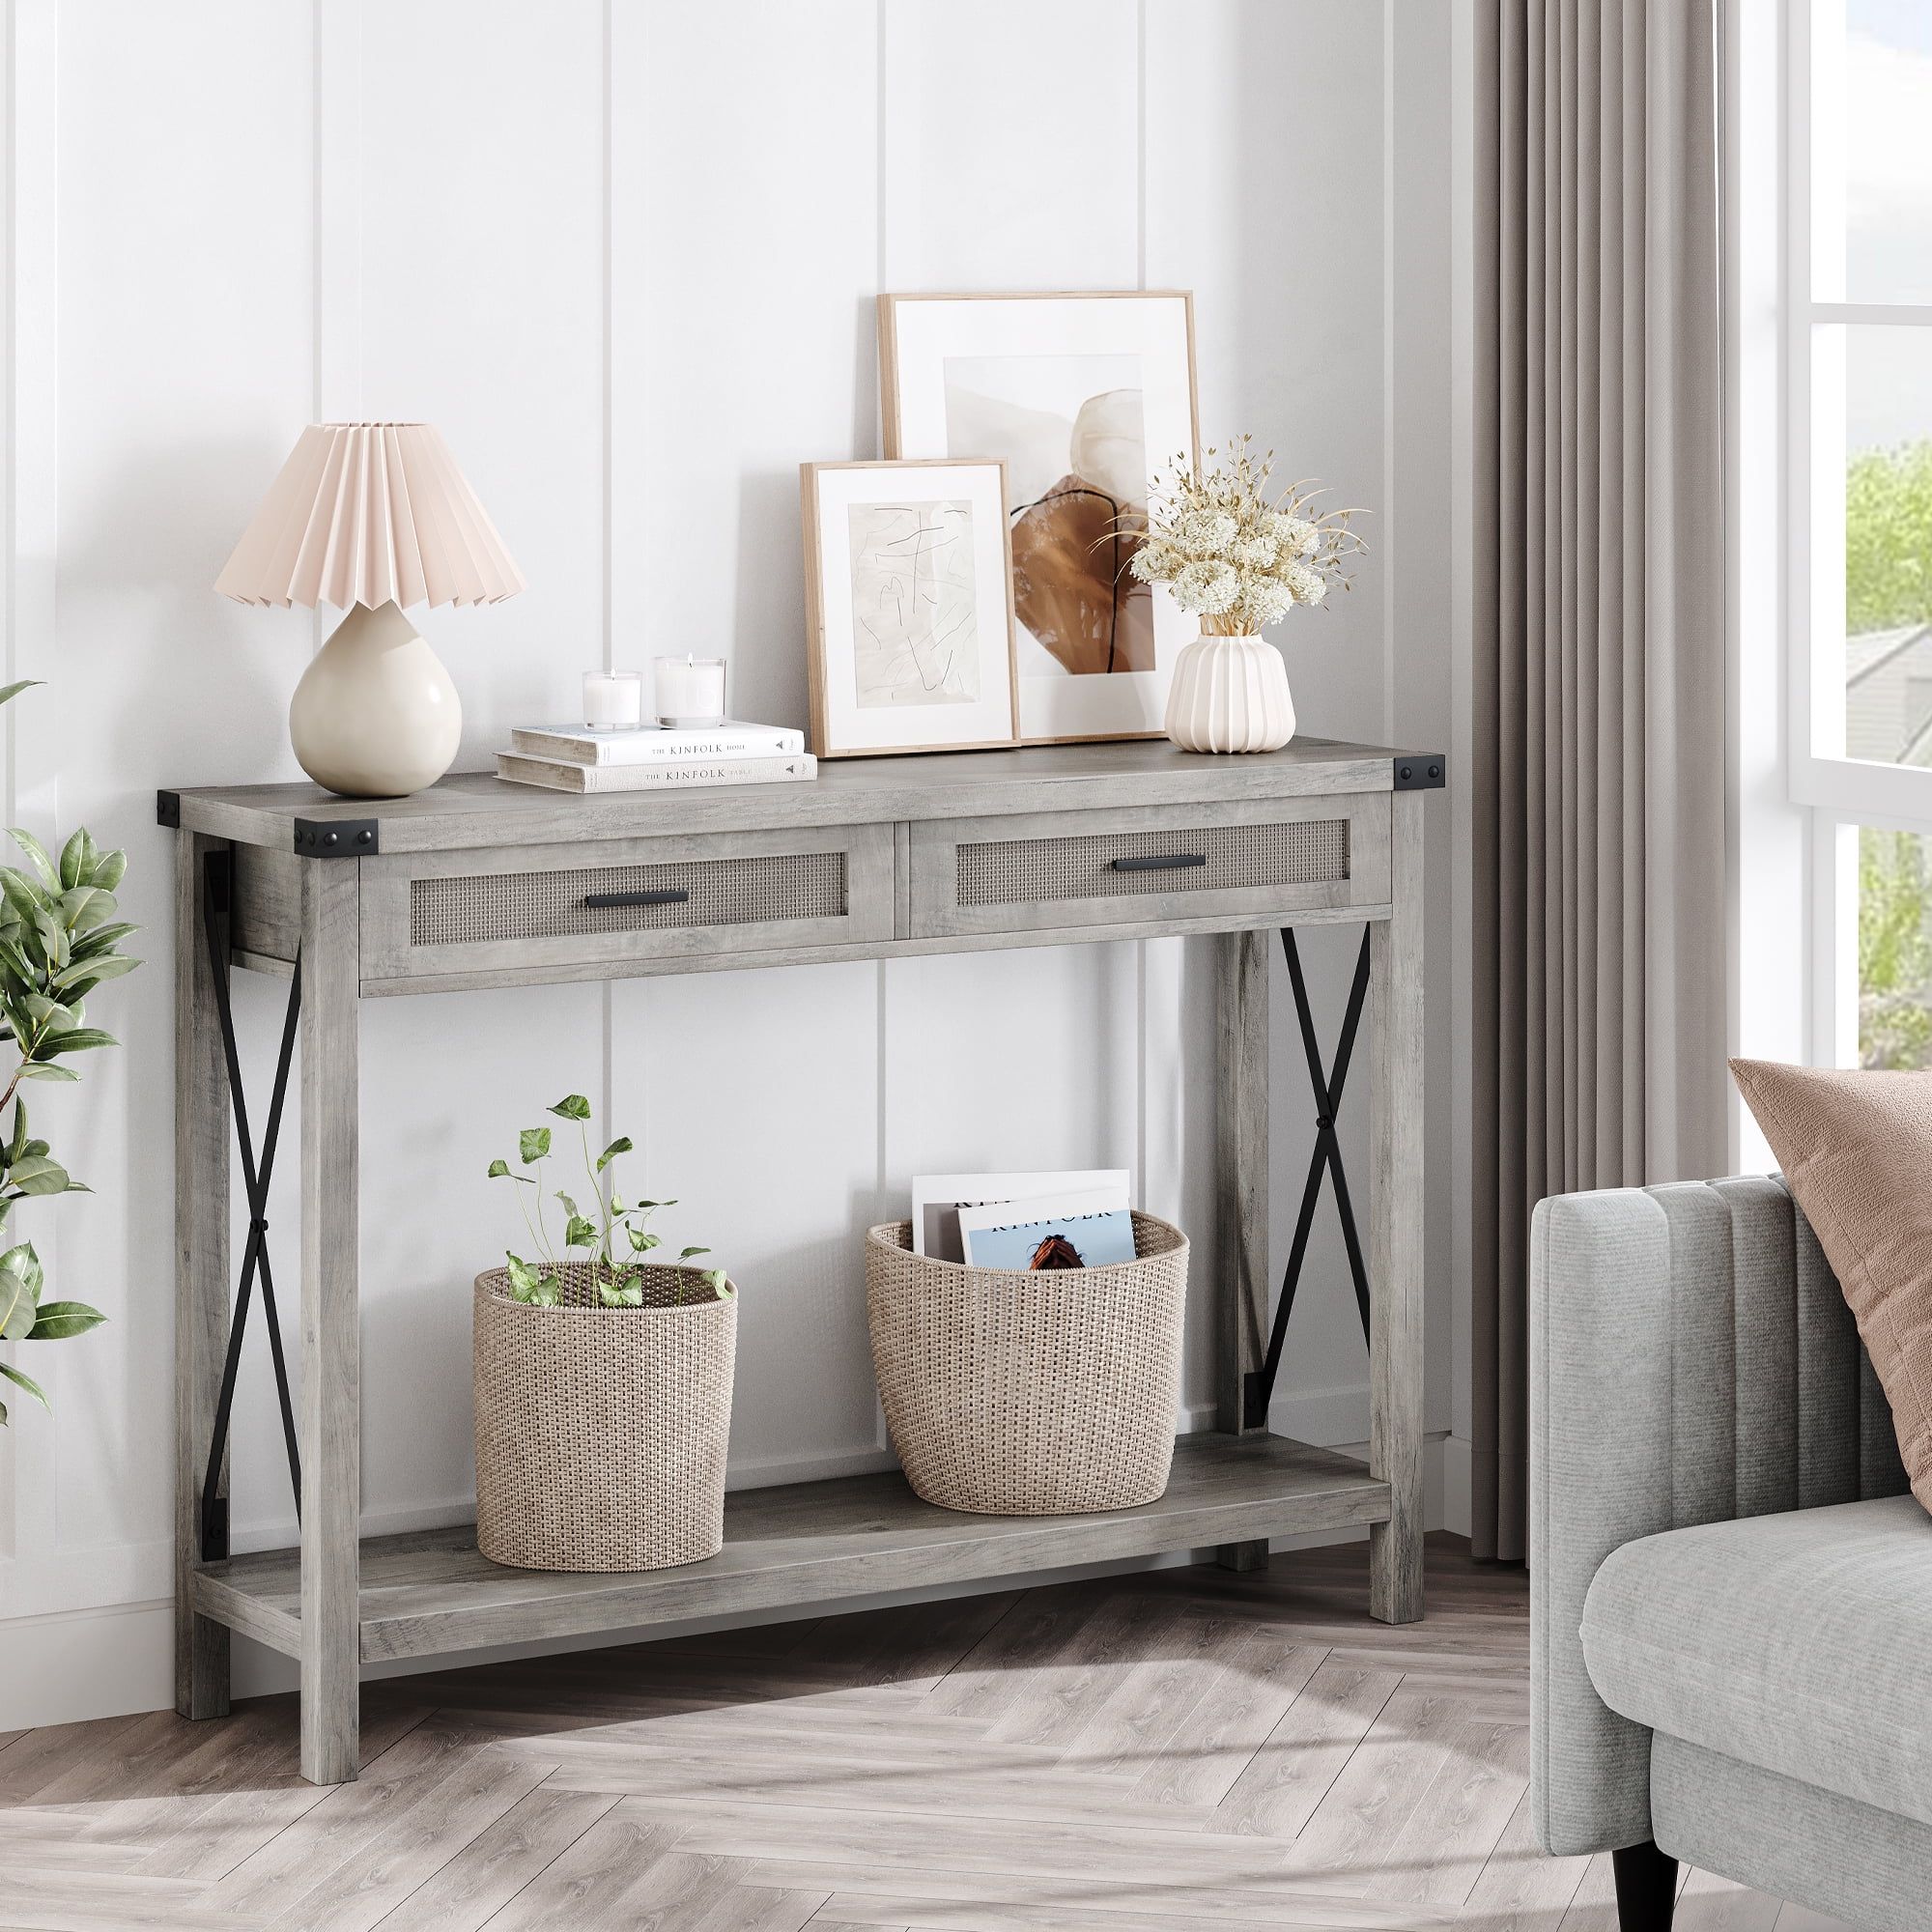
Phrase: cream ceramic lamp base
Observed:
(375, 715)
(1230, 694)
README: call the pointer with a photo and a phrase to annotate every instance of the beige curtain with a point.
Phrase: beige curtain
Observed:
(1599, 881)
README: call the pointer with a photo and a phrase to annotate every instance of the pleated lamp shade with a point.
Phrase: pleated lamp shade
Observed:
(372, 514)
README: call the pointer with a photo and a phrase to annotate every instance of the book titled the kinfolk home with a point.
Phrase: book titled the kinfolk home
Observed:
(654, 744)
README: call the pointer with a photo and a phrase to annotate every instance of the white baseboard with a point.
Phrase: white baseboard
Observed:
(74, 1665)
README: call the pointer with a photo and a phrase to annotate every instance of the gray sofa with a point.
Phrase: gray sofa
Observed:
(1730, 1586)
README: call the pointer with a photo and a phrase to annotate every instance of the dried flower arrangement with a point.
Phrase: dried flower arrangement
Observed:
(1234, 556)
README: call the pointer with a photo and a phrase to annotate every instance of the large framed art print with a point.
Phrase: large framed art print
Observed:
(1086, 400)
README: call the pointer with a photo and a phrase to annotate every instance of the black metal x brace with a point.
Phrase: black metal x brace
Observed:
(1258, 1389)
(255, 1180)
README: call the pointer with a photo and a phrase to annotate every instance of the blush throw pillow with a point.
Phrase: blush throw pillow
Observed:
(1857, 1154)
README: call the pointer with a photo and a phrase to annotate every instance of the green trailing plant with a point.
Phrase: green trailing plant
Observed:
(59, 940)
(604, 1233)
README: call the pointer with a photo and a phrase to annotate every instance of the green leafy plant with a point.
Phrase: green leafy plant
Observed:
(59, 939)
(605, 1235)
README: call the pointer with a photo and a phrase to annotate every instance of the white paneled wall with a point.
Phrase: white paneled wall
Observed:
(624, 252)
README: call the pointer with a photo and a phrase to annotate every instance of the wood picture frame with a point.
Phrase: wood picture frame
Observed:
(908, 691)
(1079, 393)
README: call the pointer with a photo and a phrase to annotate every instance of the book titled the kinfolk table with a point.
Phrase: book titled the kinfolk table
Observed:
(658, 775)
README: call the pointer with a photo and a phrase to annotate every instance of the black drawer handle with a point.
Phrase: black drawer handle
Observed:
(670, 895)
(1159, 861)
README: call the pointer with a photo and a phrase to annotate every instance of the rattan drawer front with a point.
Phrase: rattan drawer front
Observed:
(704, 892)
(511, 912)
(1155, 865)
(1025, 871)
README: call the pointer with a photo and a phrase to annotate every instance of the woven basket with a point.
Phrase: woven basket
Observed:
(1029, 1394)
(601, 1431)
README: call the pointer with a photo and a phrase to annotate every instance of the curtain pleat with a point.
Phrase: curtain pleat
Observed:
(1599, 674)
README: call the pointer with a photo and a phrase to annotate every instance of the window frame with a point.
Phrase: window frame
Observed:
(1852, 789)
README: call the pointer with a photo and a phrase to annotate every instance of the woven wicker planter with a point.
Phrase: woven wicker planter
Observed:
(601, 1431)
(1021, 1394)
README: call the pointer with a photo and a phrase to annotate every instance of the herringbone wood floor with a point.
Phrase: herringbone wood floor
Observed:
(1161, 1753)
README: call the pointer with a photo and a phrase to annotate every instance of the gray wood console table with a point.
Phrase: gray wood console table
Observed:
(478, 883)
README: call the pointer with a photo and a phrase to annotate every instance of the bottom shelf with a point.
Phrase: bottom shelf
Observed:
(804, 1543)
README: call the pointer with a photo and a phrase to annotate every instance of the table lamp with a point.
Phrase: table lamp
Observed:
(371, 517)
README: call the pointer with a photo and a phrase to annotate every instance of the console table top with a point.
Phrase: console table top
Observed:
(467, 810)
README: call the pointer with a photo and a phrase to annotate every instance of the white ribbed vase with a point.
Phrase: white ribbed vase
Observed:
(1230, 694)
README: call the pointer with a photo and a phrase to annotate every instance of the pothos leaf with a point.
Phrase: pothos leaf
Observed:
(685, 1254)
(532, 1145)
(522, 1277)
(720, 1287)
(498, 1170)
(623, 1291)
(10, 692)
(621, 1144)
(642, 1243)
(573, 1107)
(580, 1233)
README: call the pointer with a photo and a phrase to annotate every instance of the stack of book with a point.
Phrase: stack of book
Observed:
(654, 757)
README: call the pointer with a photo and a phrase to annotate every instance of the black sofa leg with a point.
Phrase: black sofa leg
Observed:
(1646, 1889)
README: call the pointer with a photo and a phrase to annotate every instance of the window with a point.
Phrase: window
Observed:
(1860, 260)
(1857, 514)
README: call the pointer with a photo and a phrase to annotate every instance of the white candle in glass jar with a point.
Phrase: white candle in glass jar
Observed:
(690, 689)
(614, 700)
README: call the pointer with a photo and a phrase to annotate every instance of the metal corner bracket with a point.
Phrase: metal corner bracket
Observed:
(1420, 771)
(337, 838)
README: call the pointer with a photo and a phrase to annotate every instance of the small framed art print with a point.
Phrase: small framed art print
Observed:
(1088, 399)
(907, 582)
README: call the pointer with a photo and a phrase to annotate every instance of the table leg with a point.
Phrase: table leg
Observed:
(1242, 1168)
(201, 1269)
(331, 1342)
(1395, 1225)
